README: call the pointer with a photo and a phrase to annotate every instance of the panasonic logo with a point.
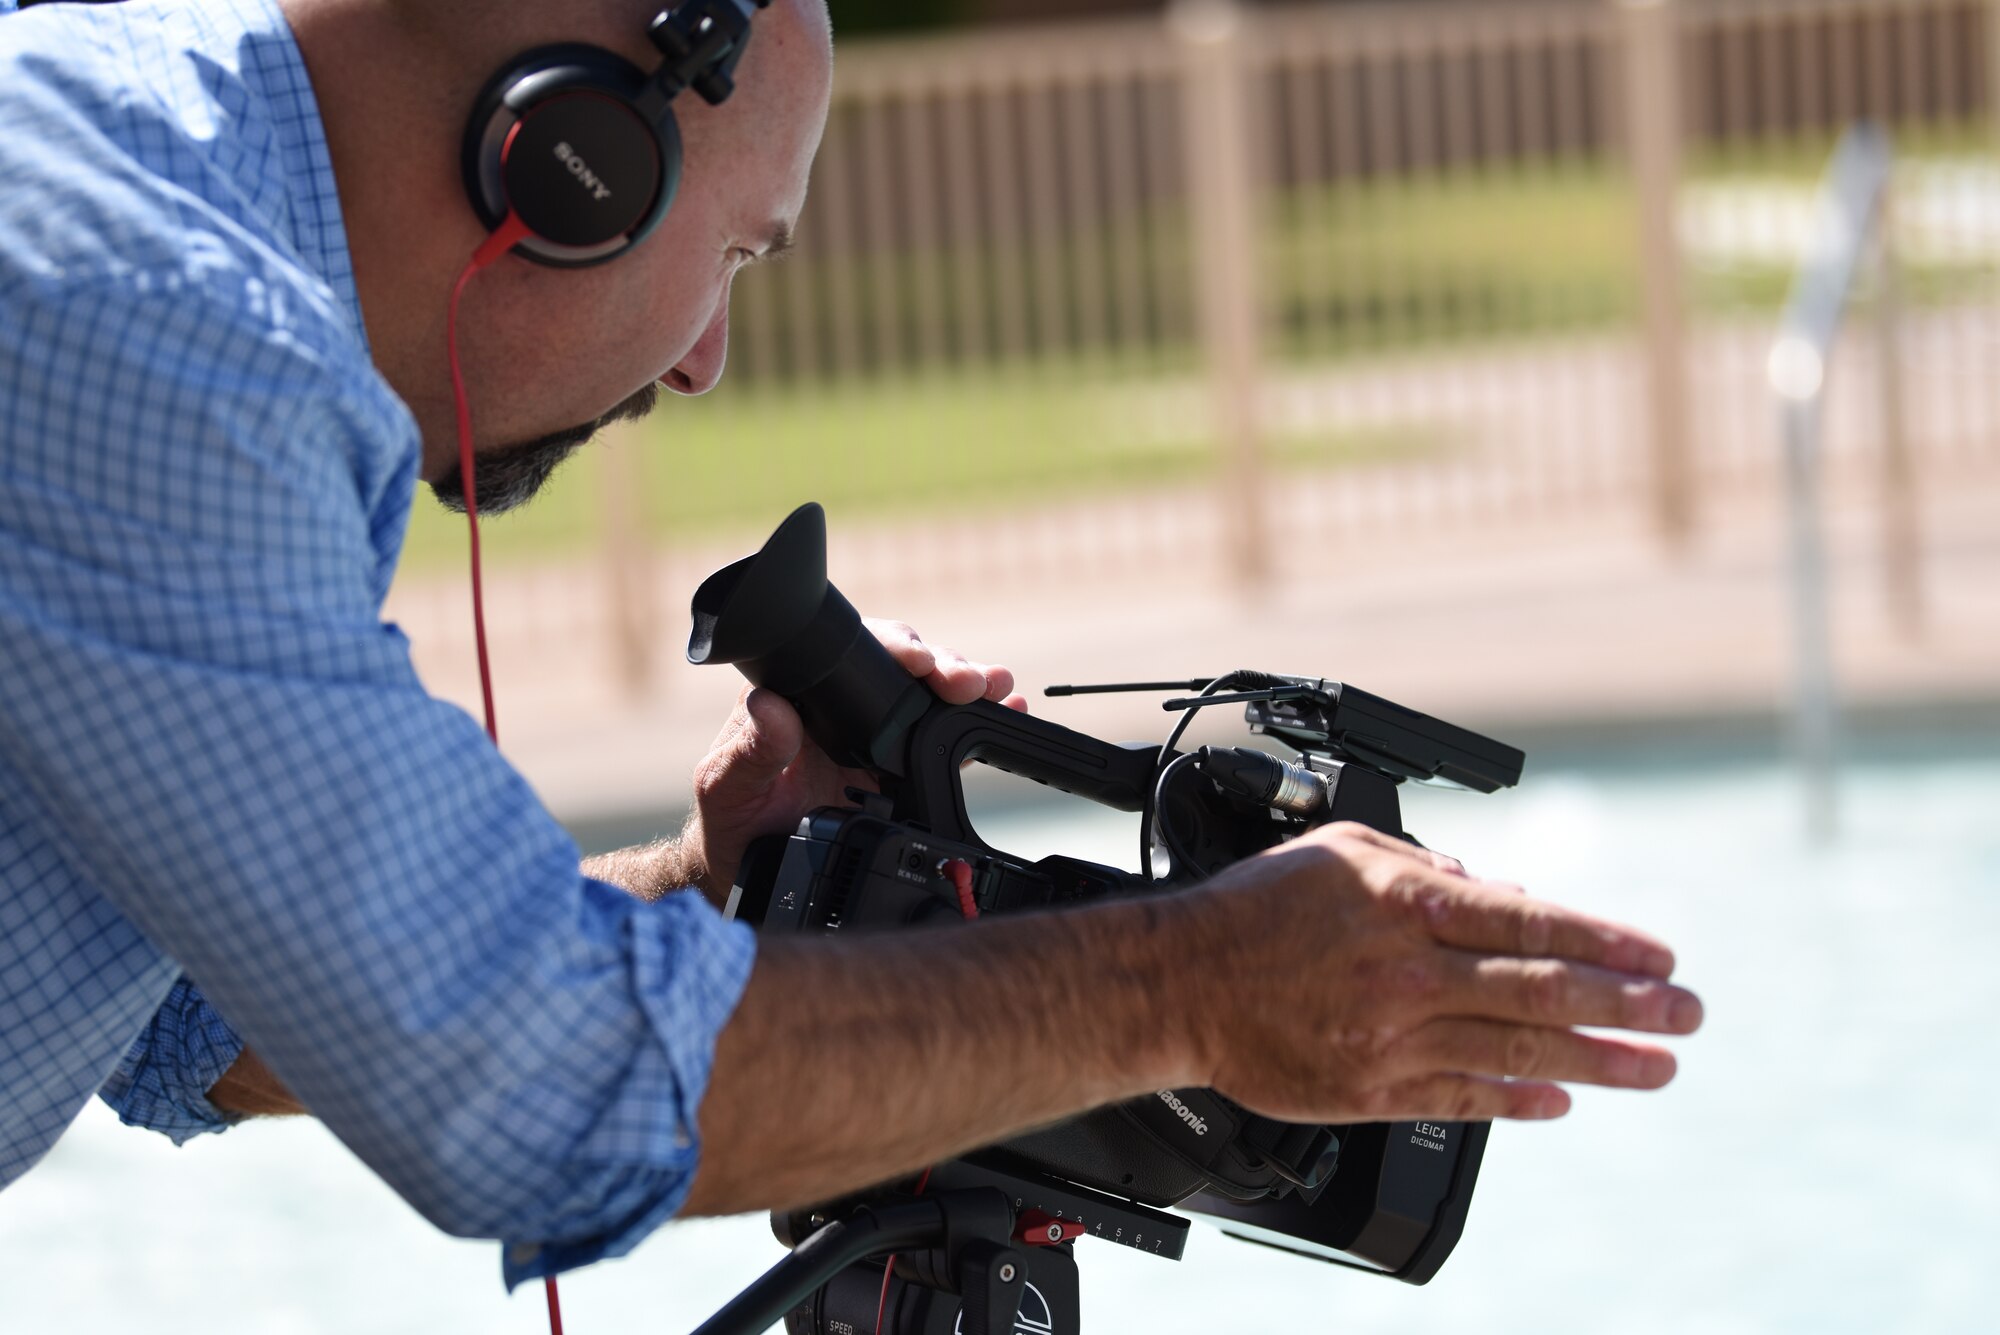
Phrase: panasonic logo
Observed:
(1185, 1113)
(580, 169)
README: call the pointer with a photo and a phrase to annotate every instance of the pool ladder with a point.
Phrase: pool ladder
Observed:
(1847, 227)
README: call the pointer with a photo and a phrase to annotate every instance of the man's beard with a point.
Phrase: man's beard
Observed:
(504, 479)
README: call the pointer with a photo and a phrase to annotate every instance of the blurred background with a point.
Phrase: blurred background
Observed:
(1485, 355)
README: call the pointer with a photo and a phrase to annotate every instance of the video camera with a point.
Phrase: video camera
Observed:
(987, 1244)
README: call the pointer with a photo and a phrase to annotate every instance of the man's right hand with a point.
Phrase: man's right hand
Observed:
(1352, 977)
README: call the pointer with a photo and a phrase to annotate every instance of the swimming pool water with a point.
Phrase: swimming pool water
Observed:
(1826, 1161)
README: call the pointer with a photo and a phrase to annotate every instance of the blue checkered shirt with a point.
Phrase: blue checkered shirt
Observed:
(223, 791)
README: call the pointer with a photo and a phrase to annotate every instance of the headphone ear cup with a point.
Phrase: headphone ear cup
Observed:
(581, 169)
(557, 139)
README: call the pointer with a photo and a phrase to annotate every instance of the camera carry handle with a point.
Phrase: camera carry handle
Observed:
(972, 1229)
(1119, 777)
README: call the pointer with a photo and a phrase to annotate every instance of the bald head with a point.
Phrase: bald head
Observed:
(549, 354)
(785, 75)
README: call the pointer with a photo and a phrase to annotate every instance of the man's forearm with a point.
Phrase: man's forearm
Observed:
(1340, 978)
(850, 1062)
(649, 871)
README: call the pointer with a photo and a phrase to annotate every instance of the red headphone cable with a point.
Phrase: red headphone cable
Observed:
(488, 254)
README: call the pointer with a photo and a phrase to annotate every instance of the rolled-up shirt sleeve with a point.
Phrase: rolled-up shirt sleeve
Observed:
(162, 1082)
(205, 714)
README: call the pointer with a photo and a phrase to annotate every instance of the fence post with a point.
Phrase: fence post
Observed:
(1225, 249)
(1654, 128)
(1993, 68)
(628, 569)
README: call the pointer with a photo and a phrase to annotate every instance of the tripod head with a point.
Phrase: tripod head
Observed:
(983, 1251)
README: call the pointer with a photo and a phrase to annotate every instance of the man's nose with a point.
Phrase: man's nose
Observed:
(698, 372)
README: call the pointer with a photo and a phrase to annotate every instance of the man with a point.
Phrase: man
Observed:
(228, 229)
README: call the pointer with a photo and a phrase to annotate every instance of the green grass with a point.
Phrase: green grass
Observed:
(961, 446)
(1359, 271)
(1459, 258)
(1452, 259)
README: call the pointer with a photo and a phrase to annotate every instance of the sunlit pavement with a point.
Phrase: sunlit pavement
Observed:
(1573, 621)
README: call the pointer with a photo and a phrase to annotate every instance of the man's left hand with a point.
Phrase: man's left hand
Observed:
(763, 774)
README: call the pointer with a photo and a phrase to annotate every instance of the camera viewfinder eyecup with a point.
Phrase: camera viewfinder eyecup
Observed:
(775, 618)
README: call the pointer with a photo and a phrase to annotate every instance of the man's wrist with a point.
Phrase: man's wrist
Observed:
(249, 1088)
(1150, 990)
(689, 861)
(1163, 956)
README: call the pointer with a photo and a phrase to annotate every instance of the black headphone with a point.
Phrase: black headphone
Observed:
(581, 145)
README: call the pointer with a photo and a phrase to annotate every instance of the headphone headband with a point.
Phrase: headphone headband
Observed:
(702, 41)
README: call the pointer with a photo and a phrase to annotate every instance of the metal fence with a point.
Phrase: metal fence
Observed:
(1114, 290)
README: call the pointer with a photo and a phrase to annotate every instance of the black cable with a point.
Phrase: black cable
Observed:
(1150, 813)
(1261, 685)
(1235, 678)
(1159, 788)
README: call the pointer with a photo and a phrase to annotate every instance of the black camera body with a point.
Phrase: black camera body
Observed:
(1390, 1198)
